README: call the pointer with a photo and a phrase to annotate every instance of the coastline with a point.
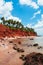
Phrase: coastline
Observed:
(8, 54)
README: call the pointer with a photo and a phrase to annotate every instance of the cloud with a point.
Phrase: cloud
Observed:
(6, 9)
(14, 18)
(29, 25)
(38, 27)
(29, 3)
(36, 13)
(40, 2)
(39, 31)
(39, 24)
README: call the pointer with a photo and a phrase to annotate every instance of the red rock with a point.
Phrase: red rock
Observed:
(6, 31)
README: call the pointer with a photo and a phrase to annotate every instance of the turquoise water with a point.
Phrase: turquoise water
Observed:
(38, 40)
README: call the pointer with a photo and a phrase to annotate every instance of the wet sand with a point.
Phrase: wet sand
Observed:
(10, 56)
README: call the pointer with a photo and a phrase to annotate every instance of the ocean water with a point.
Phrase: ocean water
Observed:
(38, 40)
(27, 41)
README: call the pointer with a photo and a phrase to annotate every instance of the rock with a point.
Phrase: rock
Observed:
(3, 44)
(40, 47)
(20, 50)
(35, 44)
(29, 45)
(31, 39)
(8, 52)
(19, 42)
(15, 48)
(7, 31)
(10, 41)
(22, 57)
(34, 59)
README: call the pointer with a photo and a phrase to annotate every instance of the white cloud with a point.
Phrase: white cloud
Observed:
(40, 2)
(39, 24)
(29, 25)
(14, 18)
(36, 13)
(42, 16)
(39, 31)
(29, 3)
(5, 10)
(8, 6)
(34, 5)
(2, 2)
(38, 27)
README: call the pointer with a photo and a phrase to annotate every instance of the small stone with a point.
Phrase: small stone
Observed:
(10, 41)
(19, 42)
(39, 47)
(35, 45)
(14, 48)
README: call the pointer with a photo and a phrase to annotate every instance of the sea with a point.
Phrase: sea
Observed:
(38, 40)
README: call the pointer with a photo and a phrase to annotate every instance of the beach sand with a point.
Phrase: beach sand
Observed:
(10, 56)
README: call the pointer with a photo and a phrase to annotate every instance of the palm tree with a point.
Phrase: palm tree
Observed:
(31, 30)
(14, 23)
(17, 24)
(3, 20)
(21, 26)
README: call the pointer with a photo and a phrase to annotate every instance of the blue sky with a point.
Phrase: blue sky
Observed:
(28, 12)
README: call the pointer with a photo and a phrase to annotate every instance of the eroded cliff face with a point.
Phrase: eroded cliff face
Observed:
(6, 31)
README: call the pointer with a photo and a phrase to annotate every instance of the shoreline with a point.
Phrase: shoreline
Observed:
(11, 50)
(19, 37)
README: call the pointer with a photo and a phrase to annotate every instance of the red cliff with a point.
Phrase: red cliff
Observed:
(6, 31)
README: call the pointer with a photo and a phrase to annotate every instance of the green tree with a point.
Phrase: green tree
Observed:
(3, 20)
(17, 25)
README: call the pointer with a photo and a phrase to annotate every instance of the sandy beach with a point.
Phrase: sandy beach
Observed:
(9, 53)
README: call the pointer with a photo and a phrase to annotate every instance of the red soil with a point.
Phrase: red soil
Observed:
(6, 31)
